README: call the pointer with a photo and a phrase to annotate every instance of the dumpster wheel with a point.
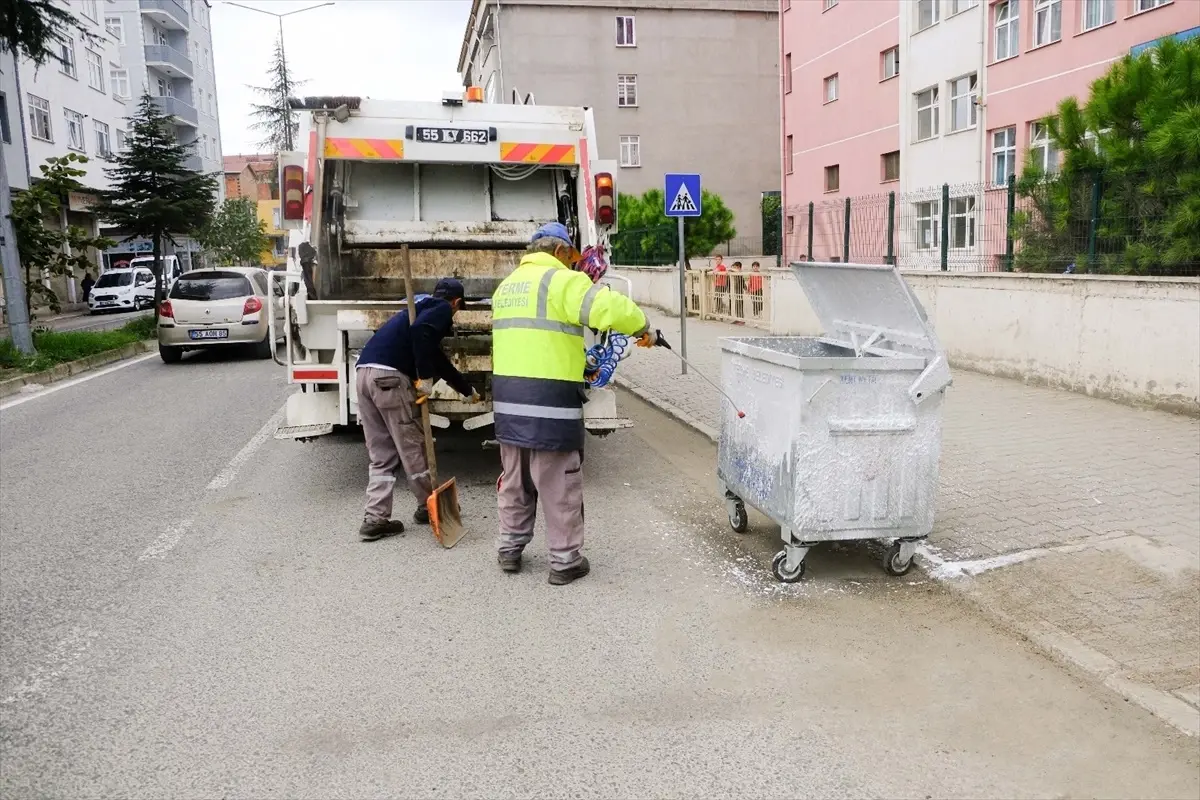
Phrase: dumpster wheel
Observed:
(778, 569)
(893, 563)
(738, 519)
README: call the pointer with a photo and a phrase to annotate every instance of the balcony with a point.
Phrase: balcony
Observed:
(167, 13)
(168, 60)
(194, 163)
(180, 112)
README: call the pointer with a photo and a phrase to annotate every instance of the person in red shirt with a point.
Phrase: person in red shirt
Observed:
(738, 287)
(755, 285)
(721, 282)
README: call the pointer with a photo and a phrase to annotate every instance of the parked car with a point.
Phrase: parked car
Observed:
(122, 290)
(221, 307)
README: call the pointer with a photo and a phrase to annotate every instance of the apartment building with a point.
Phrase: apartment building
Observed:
(254, 178)
(974, 80)
(676, 85)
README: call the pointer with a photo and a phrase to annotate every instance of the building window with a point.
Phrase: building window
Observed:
(928, 13)
(115, 26)
(75, 139)
(830, 4)
(831, 88)
(91, 9)
(891, 166)
(964, 92)
(631, 151)
(122, 140)
(791, 224)
(103, 148)
(1098, 12)
(490, 89)
(890, 60)
(5, 129)
(275, 218)
(962, 222)
(95, 65)
(39, 119)
(787, 154)
(1008, 30)
(927, 114)
(627, 91)
(120, 82)
(1004, 155)
(159, 36)
(929, 224)
(625, 32)
(165, 88)
(1047, 22)
(959, 6)
(1045, 154)
(65, 50)
(833, 177)
(787, 73)
(1147, 5)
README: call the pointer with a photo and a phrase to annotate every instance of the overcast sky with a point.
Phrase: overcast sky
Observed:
(394, 49)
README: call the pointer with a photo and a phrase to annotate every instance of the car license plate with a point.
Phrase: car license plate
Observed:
(210, 333)
(452, 135)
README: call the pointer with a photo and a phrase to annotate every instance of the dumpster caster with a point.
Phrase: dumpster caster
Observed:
(780, 569)
(898, 562)
(737, 518)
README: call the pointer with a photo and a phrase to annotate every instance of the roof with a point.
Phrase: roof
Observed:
(258, 162)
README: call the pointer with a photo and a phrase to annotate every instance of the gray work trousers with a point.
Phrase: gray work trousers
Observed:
(554, 478)
(394, 438)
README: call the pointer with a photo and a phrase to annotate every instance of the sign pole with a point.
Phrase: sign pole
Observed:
(683, 300)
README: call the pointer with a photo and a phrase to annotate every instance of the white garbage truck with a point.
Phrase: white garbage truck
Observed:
(457, 188)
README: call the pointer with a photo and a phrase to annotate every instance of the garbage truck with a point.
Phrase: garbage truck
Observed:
(452, 188)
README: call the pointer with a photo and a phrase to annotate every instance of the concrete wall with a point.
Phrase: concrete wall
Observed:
(707, 85)
(1134, 340)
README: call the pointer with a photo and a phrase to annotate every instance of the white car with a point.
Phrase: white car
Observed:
(219, 307)
(122, 290)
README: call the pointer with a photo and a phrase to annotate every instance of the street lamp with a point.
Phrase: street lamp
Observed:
(287, 113)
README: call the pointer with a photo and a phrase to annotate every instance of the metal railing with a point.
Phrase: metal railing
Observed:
(174, 107)
(157, 54)
(173, 11)
(737, 297)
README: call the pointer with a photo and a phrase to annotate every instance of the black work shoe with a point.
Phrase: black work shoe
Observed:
(510, 562)
(372, 530)
(421, 516)
(565, 576)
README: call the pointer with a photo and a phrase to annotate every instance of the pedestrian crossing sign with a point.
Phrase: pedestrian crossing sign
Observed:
(682, 194)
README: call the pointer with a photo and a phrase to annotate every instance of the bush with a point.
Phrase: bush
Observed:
(59, 347)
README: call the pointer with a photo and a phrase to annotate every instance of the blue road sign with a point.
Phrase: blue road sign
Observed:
(682, 194)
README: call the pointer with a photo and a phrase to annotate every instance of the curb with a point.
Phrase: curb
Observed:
(66, 370)
(1058, 646)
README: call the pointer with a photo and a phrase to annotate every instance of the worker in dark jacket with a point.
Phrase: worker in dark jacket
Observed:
(399, 364)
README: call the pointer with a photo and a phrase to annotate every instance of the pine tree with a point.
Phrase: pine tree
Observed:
(274, 119)
(154, 195)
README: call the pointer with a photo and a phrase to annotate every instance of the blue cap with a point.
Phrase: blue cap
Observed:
(558, 231)
(449, 289)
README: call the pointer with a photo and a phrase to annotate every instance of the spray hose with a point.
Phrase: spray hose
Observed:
(602, 359)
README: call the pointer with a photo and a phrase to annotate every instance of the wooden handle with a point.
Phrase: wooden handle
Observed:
(430, 457)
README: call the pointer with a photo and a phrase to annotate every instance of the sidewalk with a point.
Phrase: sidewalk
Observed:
(1073, 520)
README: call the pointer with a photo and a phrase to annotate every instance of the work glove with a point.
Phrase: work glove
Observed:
(474, 398)
(422, 389)
(649, 338)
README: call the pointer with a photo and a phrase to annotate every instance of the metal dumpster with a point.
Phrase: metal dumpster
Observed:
(842, 432)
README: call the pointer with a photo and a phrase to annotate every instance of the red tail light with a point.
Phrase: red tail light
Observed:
(606, 200)
(165, 310)
(293, 192)
(253, 306)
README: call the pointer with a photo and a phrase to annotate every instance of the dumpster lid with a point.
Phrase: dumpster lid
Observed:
(867, 305)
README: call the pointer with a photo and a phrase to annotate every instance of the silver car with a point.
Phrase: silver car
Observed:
(219, 307)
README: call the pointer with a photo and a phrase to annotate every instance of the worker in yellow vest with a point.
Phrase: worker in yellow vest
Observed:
(539, 314)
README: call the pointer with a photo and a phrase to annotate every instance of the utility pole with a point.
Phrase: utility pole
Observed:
(15, 311)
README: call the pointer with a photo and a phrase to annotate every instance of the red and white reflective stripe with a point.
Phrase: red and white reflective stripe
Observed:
(309, 374)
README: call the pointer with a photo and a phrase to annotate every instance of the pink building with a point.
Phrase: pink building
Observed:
(1041, 51)
(840, 110)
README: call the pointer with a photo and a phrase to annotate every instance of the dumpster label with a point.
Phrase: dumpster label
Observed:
(852, 380)
(759, 376)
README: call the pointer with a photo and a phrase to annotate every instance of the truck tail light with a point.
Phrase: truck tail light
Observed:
(293, 192)
(253, 306)
(606, 200)
(165, 311)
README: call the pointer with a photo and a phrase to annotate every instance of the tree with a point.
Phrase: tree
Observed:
(236, 235)
(648, 236)
(51, 251)
(154, 195)
(274, 119)
(1128, 196)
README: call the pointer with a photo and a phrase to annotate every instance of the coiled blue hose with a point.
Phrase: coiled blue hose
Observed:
(602, 359)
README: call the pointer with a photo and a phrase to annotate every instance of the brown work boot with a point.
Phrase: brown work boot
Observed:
(374, 529)
(509, 562)
(561, 577)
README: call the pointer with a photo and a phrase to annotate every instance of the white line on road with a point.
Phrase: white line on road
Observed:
(166, 540)
(67, 384)
(63, 654)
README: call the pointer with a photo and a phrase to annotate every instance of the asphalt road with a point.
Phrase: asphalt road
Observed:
(187, 612)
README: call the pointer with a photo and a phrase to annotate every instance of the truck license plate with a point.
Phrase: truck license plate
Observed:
(210, 333)
(452, 135)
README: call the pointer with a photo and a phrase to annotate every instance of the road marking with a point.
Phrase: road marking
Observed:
(67, 384)
(173, 535)
(61, 656)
